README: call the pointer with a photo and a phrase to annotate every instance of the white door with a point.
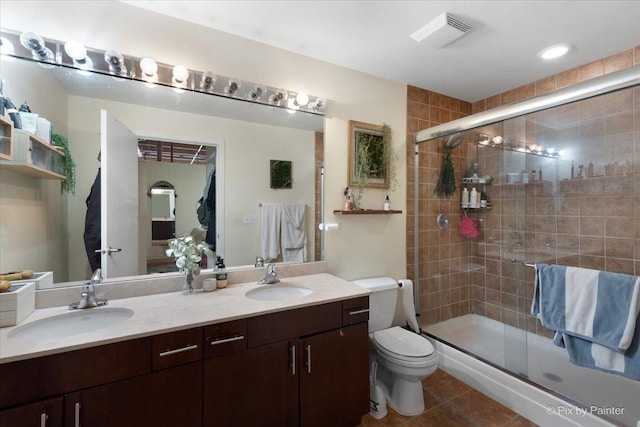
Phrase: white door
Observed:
(119, 191)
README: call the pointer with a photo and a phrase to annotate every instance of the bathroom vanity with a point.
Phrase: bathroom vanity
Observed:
(300, 362)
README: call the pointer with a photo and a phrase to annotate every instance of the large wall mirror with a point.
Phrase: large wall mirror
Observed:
(42, 229)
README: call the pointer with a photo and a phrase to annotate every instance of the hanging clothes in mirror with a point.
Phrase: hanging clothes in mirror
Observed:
(92, 238)
(206, 210)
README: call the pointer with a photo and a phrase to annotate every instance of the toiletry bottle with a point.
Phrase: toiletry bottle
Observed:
(387, 204)
(465, 197)
(483, 200)
(221, 275)
(590, 170)
(533, 175)
(572, 170)
(540, 173)
(525, 177)
(473, 198)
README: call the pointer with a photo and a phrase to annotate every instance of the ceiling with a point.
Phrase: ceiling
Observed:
(499, 53)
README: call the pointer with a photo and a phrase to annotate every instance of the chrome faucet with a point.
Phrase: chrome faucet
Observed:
(88, 296)
(271, 277)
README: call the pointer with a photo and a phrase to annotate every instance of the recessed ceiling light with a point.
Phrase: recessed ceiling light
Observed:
(555, 51)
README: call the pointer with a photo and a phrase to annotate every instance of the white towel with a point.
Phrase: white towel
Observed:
(294, 237)
(270, 231)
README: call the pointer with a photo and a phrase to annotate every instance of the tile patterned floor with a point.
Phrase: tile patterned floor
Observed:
(450, 402)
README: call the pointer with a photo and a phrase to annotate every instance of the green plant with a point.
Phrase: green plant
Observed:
(375, 157)
(69, 184)
(188, 252)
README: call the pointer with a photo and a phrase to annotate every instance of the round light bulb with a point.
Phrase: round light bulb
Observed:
(6, 47)
(302, 99)
(75, 50)
(180, 73)
(208, 80)
(148, 66)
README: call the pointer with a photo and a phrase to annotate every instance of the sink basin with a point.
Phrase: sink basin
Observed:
(278, 293)
(72, 323)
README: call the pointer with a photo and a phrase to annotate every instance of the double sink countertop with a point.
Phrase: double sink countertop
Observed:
(173, 311)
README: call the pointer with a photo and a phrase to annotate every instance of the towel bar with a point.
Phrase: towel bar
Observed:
(528, 264)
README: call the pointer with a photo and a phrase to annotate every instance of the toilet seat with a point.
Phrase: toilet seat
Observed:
(401, 344)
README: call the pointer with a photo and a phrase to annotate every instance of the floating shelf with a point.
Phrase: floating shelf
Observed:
(34, 157)
(367, 212)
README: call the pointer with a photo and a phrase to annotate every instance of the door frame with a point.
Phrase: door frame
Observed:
(212, 142)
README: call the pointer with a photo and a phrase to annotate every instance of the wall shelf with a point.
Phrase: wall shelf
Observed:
(6, 132)
(34, 157)
(367, 212)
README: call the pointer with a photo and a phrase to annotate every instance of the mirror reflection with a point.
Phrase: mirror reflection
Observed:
(42, 229)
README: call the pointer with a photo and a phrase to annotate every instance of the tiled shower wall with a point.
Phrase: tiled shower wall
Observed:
(596, 224)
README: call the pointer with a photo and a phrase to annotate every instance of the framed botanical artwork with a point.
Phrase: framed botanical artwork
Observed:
(368, 155)
(281, 174)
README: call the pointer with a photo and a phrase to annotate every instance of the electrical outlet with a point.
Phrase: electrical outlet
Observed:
(250, 219)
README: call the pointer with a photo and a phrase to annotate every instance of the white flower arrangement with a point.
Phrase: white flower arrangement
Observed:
(188, 253)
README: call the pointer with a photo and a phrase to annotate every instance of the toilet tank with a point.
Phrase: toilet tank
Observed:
(382, 301)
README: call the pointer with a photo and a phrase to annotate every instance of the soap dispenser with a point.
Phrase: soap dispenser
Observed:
(221, 274)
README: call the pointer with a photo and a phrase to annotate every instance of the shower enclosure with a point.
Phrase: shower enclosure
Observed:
(562, 185)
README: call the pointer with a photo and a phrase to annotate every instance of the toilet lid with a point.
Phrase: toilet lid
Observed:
(402, 342)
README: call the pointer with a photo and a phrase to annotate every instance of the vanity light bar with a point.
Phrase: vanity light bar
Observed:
(216, 85)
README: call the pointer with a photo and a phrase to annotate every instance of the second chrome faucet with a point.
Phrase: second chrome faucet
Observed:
(271, 277)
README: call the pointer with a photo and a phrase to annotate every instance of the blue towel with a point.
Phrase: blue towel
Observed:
(594, 314)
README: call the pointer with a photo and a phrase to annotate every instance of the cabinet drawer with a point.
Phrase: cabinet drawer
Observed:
(225, 338)
(289, 324)
(177, 348)
(355, 311)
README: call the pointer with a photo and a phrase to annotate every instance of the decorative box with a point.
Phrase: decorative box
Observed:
(17, 303)
(43, 280)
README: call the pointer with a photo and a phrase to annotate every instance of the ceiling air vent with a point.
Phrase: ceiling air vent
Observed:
(441, 31)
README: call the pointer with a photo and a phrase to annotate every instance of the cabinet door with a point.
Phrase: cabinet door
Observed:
(47, 413)
(334, 377)
(255, 387)
(172, 397)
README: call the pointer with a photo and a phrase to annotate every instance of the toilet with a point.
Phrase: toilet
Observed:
(401, 358)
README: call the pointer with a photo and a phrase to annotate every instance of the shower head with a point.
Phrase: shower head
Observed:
(455, 140)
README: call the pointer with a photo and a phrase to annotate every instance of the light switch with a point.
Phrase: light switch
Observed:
(250, 219)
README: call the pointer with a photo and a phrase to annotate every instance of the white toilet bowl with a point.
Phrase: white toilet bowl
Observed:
(408, 358)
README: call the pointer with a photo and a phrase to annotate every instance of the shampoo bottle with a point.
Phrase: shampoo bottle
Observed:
(387, 204)
(465, 198)
(473, 198)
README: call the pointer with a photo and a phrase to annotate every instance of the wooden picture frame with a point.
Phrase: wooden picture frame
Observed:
(367, 151)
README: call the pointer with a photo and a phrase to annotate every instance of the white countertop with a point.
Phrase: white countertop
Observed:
(167, 312)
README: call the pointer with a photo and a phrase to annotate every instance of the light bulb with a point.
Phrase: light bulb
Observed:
(292, 106)
(256, 93)
(302, 99)
(231, 88)
(35, 43)
(497, 140)
(115, 60)
(149, 68)
(78, 53)
(6, 47)
(208, 80)
(318, 104)
(278, 96)
(555, 51)
(180, 74)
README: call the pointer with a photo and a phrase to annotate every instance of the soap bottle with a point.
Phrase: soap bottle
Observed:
(473, 198)
(465, 198)
(387, 204)
(221, 274)
(525, 177)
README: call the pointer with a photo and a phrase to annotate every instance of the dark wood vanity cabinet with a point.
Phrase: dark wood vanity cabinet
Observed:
(303, 367)
(46, 413)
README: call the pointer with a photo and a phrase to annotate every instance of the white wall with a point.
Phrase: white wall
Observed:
(365, 245)
(32, 211)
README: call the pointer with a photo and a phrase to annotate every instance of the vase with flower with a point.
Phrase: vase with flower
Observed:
(188, 252)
